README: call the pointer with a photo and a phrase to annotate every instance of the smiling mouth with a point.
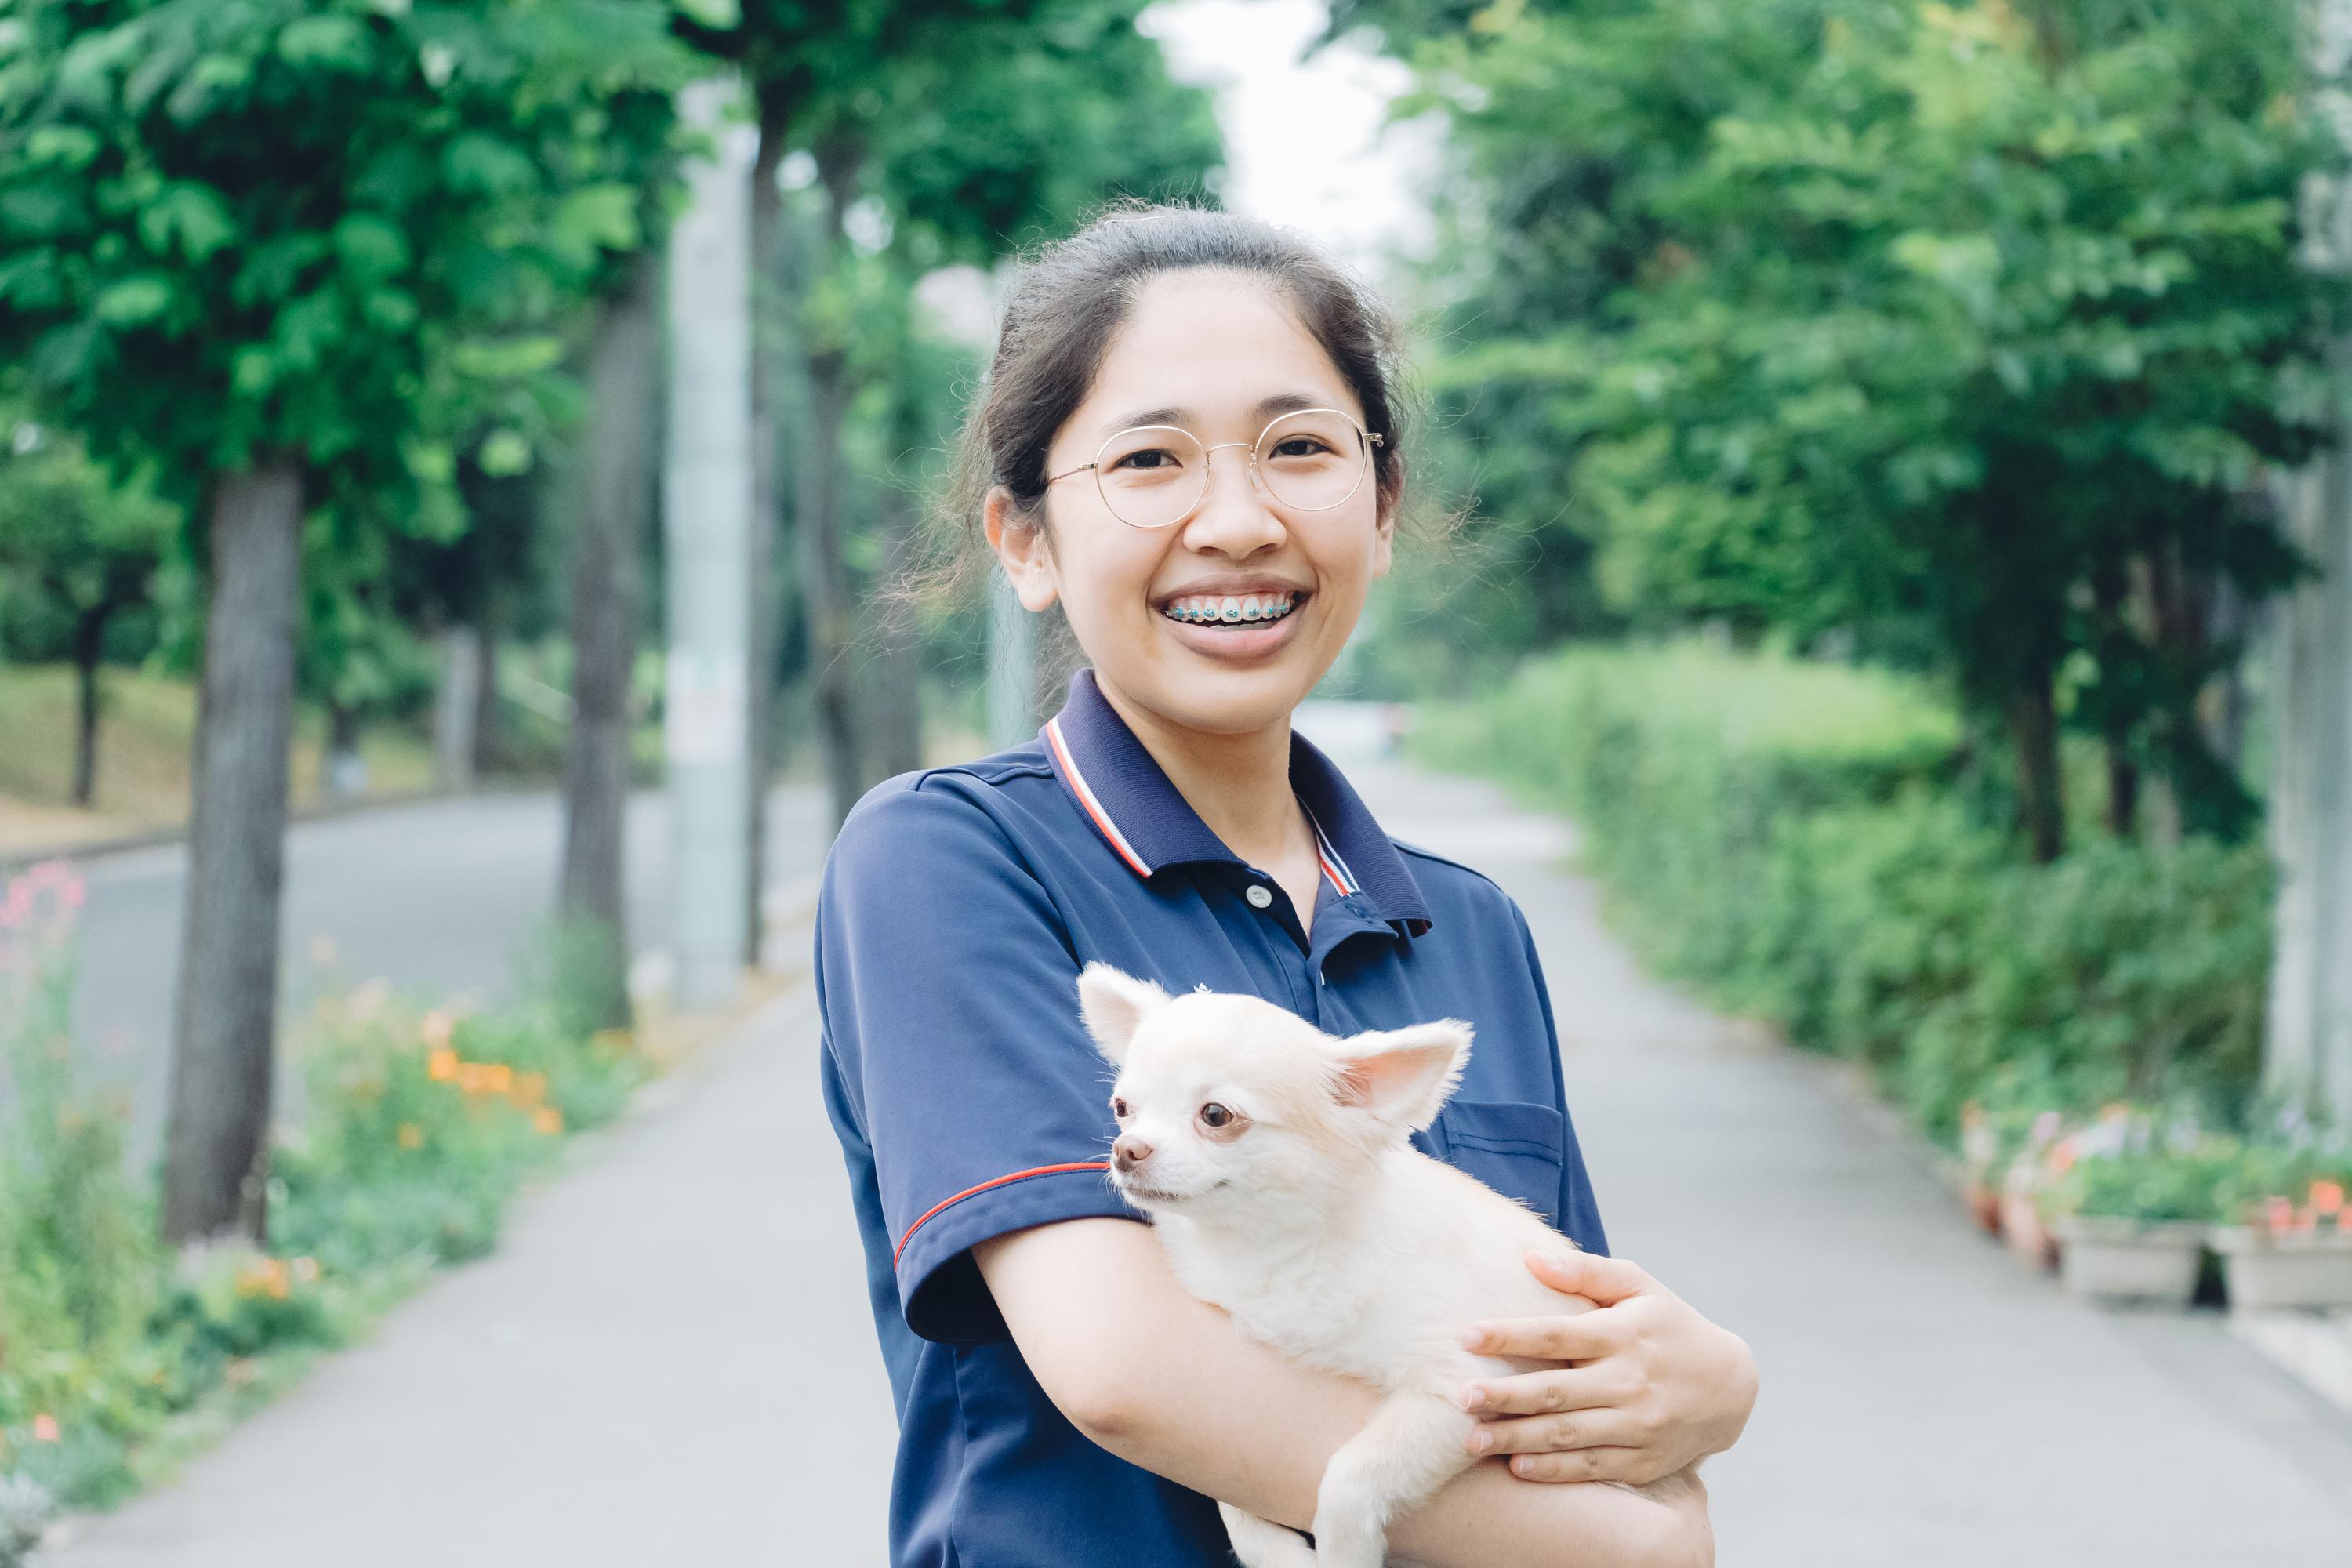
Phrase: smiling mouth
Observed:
(1236, 618)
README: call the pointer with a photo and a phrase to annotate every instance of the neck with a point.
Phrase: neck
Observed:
(1240, 785)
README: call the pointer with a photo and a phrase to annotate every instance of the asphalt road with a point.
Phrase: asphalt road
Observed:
(437, 898)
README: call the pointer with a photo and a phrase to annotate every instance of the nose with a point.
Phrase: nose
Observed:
(1129, 1151)
(1241, 526)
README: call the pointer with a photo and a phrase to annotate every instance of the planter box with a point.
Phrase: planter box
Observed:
(2129, 1261)
(2297, 1269)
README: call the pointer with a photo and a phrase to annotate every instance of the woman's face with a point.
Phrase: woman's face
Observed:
(1214, 344)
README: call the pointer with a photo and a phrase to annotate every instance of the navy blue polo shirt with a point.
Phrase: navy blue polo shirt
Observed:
(957, 907)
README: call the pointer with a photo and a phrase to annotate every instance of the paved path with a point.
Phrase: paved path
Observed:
(671, 1361)
(435, 896)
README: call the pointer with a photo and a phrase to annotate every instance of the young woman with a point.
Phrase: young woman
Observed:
(1187, 441)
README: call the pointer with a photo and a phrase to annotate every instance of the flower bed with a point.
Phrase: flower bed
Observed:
(119, 1354)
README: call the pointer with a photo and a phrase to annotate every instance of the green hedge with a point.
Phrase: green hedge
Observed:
(1789, 838)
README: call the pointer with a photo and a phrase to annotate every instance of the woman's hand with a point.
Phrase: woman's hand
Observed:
(1650, 1386)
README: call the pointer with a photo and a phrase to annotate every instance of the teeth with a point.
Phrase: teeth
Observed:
(1233, 610)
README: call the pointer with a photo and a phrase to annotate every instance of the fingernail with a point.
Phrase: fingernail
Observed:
(1471, 1397)
(1480, 1441)
(1473, 1339)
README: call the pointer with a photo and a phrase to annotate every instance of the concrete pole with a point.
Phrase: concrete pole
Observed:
(707, 526)
(2308, 1049)
(1013, 717)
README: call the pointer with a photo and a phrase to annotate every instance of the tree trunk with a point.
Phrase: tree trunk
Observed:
(489, 749)
(2110, 596)
(825, 567)
(340, 771)
(605, 594)
(898, 739)
(454, 706)
(2041, 793)
(216, 1156)
(767, 507)
(89, 643)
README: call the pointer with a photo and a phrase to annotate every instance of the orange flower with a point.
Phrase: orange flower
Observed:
(547, 1119)
(441, 1065)
(412, 1136)
(44, 1427)
(2327, 1197)
(529, 1088)
(496, 1077)
(2279, 1214)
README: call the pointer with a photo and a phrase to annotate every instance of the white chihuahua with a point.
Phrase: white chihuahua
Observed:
(1275, 1163)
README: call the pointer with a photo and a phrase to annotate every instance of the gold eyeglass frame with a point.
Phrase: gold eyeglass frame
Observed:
(1208, 462)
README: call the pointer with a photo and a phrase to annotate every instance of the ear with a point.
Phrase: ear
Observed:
(1114, 1002)
(1404, 1076)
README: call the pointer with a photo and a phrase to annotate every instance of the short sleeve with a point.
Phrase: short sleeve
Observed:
(1580, 1211)
(947, 981)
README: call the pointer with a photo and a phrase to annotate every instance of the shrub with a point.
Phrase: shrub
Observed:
(1789, 837)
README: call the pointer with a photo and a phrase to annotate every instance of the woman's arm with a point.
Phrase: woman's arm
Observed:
(1167, 1382)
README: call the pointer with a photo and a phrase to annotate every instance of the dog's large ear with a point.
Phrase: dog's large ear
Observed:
(1403, 1077)
(1113, 1003)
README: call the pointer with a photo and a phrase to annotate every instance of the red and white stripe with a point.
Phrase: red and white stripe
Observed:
(1086, 798)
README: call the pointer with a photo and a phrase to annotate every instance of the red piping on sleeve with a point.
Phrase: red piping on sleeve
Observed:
(1000, 1181)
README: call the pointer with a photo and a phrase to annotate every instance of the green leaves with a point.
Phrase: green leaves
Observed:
(189, 220)
(1905, 322)
(241, 223)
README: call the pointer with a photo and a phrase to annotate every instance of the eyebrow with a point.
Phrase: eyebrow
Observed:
(1267, 408)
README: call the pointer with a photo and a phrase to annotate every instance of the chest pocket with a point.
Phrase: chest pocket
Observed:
(1516, 1147)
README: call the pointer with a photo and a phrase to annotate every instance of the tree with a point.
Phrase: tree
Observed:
(1962, 332)
(250, 242)
(76, 550)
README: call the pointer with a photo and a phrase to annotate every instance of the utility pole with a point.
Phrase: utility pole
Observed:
(1012, 667)
(706, 525)
(2308, 1047)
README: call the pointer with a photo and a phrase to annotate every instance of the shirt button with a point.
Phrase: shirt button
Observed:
(1258, 896)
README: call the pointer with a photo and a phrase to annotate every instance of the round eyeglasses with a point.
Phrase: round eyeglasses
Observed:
(1154, 475)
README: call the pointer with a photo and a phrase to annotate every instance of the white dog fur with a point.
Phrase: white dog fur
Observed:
(1310, 1218)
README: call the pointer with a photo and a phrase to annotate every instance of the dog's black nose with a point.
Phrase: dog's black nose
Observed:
(1129, 1151)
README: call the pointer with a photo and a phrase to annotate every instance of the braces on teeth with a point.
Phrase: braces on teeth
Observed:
(1233, 612)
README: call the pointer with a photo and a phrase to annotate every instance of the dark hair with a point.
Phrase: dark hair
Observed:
(1072, 295)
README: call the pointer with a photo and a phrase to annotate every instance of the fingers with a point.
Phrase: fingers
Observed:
(1573, 1431)
(1632, 1466)
(1562, 1337)
(1599, 1279)
(1540, 1392)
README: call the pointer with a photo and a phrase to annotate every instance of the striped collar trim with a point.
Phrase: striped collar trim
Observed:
(1120, 788)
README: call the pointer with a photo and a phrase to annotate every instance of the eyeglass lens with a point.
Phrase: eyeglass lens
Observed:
(1311, 460)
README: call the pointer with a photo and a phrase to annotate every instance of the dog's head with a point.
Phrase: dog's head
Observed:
(1225, 1101)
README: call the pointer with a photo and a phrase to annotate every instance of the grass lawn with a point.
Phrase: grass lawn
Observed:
(144, 728)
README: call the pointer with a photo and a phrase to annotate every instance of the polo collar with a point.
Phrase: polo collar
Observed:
(1122, 790)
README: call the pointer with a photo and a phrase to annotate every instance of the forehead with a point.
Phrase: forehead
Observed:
(1212, 342)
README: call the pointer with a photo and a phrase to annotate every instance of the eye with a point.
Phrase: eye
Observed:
(1119, 1108)
(1214, 1115)
(1135, 462)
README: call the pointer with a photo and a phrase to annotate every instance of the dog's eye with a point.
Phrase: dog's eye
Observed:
(1214, 1115)
(1119, 1108)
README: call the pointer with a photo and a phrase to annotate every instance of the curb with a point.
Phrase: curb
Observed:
(13, 860)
